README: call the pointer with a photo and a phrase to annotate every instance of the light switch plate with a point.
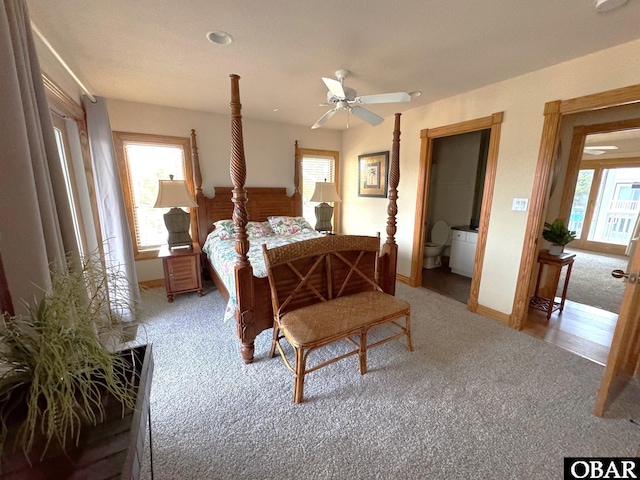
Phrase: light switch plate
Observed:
(520, 204)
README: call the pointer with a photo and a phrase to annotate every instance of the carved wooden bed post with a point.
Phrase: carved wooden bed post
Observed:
(389, 257)
(245, 294)
(201, 227)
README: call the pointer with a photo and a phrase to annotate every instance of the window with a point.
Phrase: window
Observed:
(580, 200)
(62, 141)
(605, 207)
(142, 161)
(317, 166)
(627, 192)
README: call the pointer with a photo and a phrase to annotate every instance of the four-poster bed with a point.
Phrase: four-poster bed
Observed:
(251, 299)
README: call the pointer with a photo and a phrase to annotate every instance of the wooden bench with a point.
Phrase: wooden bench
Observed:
(324, 290)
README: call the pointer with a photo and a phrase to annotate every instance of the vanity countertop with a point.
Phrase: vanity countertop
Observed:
(465, 228)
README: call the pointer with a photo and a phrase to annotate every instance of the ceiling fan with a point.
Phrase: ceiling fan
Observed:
(345, 98)
(599, 149)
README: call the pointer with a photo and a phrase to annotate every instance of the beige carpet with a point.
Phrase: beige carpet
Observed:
(474, 400)
(591, 282)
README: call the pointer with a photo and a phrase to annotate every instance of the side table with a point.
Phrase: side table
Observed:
(181, 270)
(545, 295)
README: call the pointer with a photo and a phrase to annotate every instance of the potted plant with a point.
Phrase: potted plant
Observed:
(60, 359)
(558, 235)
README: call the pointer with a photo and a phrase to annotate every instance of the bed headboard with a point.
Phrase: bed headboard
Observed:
(262, 202)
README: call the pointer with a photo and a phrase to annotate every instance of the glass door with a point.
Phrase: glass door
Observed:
(605, 208)
(580, 201)
(616, 207)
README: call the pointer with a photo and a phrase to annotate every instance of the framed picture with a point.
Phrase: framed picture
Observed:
(373, 170)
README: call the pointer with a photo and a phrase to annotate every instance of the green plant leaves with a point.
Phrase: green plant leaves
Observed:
(57, 355)
(557, 232)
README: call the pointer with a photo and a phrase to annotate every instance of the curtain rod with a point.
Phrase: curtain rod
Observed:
(62, 62)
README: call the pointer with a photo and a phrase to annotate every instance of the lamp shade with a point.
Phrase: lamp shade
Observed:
(325, 192)
(173, 193)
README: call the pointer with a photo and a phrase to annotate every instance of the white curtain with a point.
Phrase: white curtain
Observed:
(36, 226)
(111, 210)
(82, 185)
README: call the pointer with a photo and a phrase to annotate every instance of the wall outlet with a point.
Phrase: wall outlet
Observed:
(520, 204)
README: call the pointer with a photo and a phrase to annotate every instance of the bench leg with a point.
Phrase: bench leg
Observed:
(408, 328)
(362, 352)
(298, 388)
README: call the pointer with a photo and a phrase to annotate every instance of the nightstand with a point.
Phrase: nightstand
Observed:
(181, 270)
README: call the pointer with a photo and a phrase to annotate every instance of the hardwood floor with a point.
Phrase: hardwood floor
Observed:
(581, 329)
(584, 330)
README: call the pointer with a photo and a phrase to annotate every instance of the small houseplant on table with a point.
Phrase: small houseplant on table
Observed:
(58, 361)
(558, 235)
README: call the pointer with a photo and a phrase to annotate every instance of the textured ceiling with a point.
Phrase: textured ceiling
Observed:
(155, 51)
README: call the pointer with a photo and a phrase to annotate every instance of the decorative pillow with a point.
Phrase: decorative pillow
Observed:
(289, 225)
(225, 228)
(259, 229)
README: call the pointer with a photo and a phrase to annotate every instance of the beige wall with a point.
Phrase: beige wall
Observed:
(269, 149)
(522, 99)
(268, 146)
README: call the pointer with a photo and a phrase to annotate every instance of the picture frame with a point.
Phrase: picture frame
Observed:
(373, 172)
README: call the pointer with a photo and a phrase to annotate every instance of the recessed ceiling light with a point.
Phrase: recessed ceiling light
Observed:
(219, 37)
(275, 109)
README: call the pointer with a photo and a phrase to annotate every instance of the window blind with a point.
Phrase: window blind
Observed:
(146, 164)
(315, 169)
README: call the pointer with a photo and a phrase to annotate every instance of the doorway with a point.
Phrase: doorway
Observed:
(623, 360)
(457, 178)
(428, 137)
(600, 201)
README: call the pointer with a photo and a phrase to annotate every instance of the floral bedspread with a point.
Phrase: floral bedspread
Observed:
(222, 255)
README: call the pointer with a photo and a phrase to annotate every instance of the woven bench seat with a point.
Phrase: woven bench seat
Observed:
(343, 316)
(324, 290)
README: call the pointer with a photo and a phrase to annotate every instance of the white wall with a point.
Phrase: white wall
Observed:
(268, 147)
(522, 99)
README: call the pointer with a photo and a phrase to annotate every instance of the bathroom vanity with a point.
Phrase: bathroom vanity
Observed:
(463, 250)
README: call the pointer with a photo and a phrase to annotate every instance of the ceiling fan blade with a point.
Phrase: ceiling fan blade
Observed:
(323, 119)
(364, 114)
(591, 151)
(334, 86)
(384, 98)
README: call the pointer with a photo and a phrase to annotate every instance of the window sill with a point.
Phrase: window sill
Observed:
(147, 254)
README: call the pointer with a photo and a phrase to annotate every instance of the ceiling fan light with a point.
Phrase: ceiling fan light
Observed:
(606, 5)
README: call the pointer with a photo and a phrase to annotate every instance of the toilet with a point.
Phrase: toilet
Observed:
(440, 238)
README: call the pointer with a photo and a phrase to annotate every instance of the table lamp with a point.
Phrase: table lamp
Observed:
(324, 192)
(175, 194)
